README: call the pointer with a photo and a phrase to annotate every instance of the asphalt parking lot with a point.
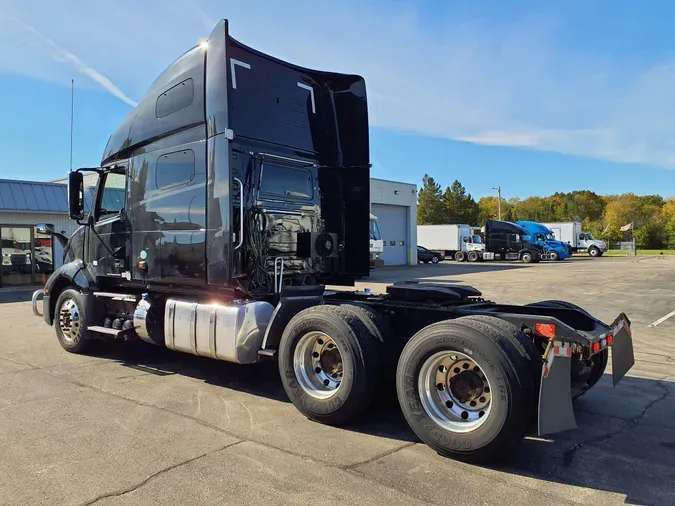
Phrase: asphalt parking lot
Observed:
(132, 424)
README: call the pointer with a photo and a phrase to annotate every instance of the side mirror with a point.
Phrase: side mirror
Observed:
(45, 228)
(76, 195)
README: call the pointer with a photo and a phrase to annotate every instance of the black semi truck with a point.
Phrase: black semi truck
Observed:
(507, 241)
(229, 199)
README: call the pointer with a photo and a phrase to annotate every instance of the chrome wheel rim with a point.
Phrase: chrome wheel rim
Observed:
(69, 321)
(317, 363)
(454, 391)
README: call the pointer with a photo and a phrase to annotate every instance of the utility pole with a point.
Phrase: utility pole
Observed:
(499, 200)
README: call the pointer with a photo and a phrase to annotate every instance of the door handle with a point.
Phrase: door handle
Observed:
(241, 213)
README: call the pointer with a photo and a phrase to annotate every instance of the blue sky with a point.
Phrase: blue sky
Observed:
(533, 96)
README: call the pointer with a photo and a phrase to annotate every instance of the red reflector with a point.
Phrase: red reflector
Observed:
(545, 329)
(610, 339)
(595, 347)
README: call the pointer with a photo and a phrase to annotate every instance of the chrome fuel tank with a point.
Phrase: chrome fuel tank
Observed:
(233, 332)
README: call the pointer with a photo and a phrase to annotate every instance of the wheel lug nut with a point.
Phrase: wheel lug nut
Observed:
(317, 370)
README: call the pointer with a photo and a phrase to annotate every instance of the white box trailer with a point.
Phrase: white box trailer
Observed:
(571, 233)
(452, 240)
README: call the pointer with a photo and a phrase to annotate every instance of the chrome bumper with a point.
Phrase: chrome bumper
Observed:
(36, 294)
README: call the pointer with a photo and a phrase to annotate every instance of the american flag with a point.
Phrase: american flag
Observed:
(628, 227)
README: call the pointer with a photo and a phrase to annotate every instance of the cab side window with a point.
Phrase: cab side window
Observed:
(112, 197)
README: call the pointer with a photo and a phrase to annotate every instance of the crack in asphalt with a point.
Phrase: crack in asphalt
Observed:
(378, 457)
(147, 480)
(568, 455)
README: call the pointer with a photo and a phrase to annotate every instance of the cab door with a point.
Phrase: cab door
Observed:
(108, 239)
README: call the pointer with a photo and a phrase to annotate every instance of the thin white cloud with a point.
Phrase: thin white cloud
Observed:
(63, 55)
(507, 83)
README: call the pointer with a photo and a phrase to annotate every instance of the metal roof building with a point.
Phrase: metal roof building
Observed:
(27, 255)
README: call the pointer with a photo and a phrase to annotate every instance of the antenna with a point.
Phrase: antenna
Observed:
(72, 116)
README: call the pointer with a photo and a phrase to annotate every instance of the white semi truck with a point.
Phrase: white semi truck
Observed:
(570, 232)
(455, 241)
(376, 243)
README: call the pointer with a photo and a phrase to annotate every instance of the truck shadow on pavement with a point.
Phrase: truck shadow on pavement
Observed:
(624, 443)
(384, 419)
(448, 268)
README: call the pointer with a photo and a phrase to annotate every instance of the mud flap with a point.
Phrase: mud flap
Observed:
(622, 349)
(556, 413)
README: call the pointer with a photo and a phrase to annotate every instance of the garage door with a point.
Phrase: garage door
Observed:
(393, 222)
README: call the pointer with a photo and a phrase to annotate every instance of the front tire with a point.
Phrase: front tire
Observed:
(70, 322)
(435, 260)
(594, 252)
(464, 389)
(328, 364)
(554, 256)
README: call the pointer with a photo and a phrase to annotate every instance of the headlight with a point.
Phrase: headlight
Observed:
(377, 256)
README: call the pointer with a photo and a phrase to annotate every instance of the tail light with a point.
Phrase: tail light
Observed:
(545, 329)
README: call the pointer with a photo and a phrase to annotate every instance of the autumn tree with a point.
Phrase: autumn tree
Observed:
(489, 209)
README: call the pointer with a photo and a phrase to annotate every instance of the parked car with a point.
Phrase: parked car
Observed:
(426, 256)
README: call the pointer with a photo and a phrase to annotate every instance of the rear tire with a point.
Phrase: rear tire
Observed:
(328, 363)
(442, 414)
(526, 257)
(473, 256)
(460, 256)
(70, 322)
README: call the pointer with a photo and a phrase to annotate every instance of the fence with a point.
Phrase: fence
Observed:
(627, 246)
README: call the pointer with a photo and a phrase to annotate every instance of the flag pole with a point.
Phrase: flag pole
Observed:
(72, 117)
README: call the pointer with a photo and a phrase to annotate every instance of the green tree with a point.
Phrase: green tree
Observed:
(430, 208)
(460, 206)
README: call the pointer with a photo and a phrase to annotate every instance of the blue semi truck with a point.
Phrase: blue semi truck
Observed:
(543, 236)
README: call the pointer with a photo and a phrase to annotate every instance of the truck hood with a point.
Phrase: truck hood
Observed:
(599, 244)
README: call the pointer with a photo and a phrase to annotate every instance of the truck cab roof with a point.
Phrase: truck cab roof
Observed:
(504, 226)
(534, 227)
